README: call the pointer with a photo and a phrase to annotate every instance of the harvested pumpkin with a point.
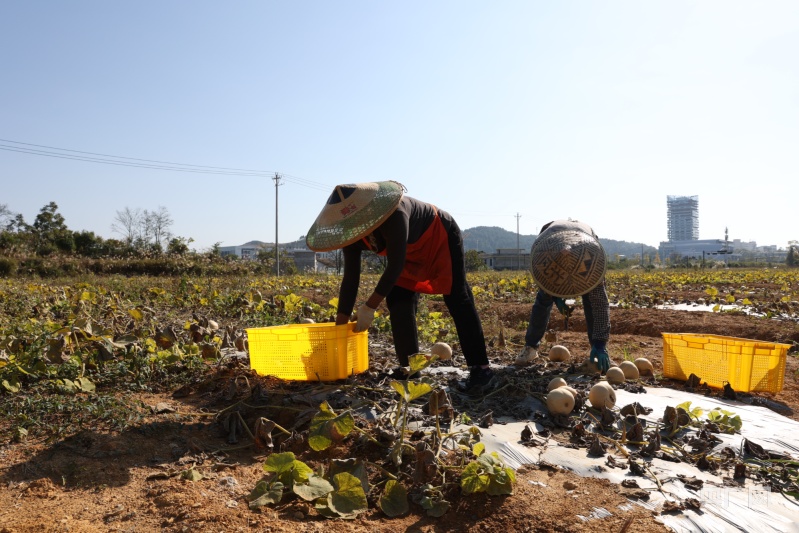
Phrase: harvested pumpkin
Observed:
(556, 383)
(559, 353)
(629, 369)
(602, 395)
(645, 367)
(560, 401)
(615, 375)
(442, 350)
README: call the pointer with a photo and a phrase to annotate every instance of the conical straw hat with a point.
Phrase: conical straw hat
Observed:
(352, 212)
(567, 261)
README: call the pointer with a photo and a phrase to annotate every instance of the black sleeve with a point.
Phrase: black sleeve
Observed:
(395, 231)
(352, 277)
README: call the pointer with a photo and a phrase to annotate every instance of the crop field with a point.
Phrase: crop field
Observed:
(127, 403)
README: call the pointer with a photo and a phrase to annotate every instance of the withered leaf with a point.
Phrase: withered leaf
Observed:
(596, 449)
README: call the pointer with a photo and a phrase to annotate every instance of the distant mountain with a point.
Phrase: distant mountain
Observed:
(490, 238)
(283, 245)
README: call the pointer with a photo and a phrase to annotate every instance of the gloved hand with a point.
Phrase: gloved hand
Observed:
(564, 309)
(599, 356)
(365, 317)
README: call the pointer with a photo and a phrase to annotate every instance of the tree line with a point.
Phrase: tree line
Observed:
(46, 247)
(142, 232)
(145, 234)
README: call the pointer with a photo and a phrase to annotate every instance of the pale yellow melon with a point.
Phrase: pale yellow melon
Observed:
(645, 367)
(615, 375)
(559, 353)
(602, 395)
(629, 369)
(560, 401)
(442, 350)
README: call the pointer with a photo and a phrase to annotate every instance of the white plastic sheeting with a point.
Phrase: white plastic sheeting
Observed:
(750, 508)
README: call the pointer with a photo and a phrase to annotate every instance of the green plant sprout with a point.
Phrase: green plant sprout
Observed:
(727, 421)
(487, 474)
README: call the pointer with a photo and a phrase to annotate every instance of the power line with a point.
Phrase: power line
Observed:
(118, 163)
(107, 159)
(123, 157)
(154, 164)
(277, 246)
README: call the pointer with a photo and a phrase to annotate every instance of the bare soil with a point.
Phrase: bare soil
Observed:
(130, 481)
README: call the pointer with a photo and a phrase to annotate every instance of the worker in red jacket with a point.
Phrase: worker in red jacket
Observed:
(424, 253)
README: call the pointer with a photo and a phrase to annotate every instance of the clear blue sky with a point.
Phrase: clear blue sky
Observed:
(590, 110)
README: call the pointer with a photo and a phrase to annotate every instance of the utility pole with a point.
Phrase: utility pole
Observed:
(277, 248)
(518, 247)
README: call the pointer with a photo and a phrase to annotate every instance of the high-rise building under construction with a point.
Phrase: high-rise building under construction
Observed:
(683, 218)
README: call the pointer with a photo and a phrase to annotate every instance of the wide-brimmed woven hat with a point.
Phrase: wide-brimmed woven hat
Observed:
(352, 212)
(567, 260)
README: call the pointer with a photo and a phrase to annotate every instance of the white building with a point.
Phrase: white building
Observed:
(507, 259)
(245, 251)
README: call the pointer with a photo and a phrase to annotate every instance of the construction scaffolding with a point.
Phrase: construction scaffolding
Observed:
(683, 218)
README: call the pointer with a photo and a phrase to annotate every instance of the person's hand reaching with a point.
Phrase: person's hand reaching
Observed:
(365, 316)
(562, 306)
(599, 356)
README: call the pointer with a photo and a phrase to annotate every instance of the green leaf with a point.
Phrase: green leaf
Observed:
(400, 388)
(265, 494)
(411, 390)
(394, 501)
(11, 386)
(348, 498)
(353, 466)
(502, 482)
(323, 508)
(426, 502)
(287, 468)
(85, 384)
(192, 474)
(327, 428)
(474, 478)
(315, 488)
(417, 390)
(438, 509)
(419, 362)
(66, 385)
(20, 434)
(491, 462)
(694, 413)
(478, 449)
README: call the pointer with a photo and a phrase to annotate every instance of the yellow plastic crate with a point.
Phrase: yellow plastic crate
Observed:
(747, 365)
(308, 352)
